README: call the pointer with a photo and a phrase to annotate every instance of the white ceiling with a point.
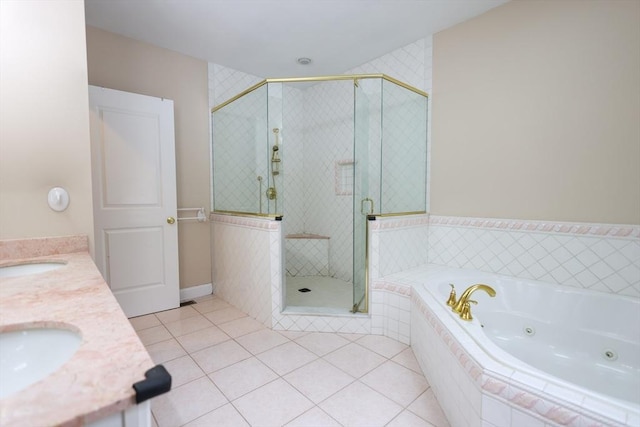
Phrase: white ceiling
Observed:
(265, 37)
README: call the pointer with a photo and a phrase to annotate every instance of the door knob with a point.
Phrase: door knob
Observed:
(171, 220)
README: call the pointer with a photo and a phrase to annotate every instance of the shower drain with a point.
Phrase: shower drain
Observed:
(304, 290)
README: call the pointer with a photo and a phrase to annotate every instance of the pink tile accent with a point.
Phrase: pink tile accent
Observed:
(399, 222)
(475, 373)
(631, 231)
(392, 287)
(561, 415)
(525, 400)
(266, 223)
(493, 386)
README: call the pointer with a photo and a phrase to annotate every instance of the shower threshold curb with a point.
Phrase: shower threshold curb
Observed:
(324, 311)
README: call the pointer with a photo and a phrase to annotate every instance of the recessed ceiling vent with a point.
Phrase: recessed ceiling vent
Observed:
(304, 61)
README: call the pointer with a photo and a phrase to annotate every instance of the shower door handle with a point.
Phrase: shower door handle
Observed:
(362, 202)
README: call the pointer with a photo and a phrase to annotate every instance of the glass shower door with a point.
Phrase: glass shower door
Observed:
(366, 179)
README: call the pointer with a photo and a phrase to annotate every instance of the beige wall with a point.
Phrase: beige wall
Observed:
(44, 119)
(121, 63)
(536, 113)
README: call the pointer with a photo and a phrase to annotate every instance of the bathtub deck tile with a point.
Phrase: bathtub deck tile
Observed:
(569, 395)
(531, 382)
(633, 419)
(616, 414)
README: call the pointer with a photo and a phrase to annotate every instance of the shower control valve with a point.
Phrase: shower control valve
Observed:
(271, 193)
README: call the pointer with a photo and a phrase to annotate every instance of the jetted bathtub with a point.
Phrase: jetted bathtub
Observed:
(536, 354)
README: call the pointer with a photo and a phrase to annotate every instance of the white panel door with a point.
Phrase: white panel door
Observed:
(134, 198)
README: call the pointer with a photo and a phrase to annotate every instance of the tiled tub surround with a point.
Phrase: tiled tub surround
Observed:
(97, 381)
(600, 257)
(395, 244)
(575, 255)
(475, 388)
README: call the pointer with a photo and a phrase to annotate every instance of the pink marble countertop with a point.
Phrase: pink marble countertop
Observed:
(97, 381)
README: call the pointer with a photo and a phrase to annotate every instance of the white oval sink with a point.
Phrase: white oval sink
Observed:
(29, 355)
(29, 268)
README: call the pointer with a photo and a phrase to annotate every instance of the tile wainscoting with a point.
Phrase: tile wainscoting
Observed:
(599, 257)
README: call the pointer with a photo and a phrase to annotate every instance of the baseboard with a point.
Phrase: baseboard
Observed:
(197, 291)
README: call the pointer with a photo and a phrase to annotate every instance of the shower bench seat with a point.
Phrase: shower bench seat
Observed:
(307, 254)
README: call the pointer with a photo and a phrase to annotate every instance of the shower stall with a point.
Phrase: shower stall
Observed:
(324, 155)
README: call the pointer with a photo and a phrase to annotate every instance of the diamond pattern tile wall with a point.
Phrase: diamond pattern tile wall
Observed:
(605, 263)
(307, 257)
(404, 151)
(247, 285)
(240, 154)
(328, 138)
(293, 159)
(407, 64)
(400, 244)
(225, 83)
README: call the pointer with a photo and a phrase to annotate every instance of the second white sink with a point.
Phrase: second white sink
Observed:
(29, 355)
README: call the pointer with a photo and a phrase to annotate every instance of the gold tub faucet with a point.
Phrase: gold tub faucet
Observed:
(464, 298)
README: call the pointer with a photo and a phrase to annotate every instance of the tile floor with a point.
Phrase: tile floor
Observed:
(229, 370)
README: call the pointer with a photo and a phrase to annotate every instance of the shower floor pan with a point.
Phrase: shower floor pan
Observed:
(324, 295)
